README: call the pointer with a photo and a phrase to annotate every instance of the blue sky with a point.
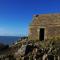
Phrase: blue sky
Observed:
(16, 15)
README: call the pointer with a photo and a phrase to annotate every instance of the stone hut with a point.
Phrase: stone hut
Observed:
(44, 27)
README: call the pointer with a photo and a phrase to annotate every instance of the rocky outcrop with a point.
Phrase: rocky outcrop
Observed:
(33, 50)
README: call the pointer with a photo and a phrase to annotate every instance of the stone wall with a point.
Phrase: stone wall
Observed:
(50, 22)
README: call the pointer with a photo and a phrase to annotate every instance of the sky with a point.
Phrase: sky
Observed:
(16, 15)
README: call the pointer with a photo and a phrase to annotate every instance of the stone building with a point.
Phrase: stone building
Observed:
(44, 26)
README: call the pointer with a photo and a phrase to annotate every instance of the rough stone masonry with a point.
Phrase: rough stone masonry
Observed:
(44, 26)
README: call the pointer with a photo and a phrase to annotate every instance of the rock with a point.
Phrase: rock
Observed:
(21, 51)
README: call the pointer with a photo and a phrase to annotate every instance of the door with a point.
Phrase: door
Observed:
(41, 34)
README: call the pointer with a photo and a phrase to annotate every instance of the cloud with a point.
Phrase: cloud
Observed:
(4, 32)
(8, 32)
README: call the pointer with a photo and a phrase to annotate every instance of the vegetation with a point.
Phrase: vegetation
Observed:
(44, 49)
(37, 50)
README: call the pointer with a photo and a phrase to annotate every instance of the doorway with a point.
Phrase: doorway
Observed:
(41, 34)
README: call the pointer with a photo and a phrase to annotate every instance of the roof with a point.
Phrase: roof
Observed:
(51, 17)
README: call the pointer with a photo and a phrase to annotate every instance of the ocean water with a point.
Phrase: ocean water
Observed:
(8, 39)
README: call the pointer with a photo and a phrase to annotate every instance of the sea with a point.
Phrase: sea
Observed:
(7, 40)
